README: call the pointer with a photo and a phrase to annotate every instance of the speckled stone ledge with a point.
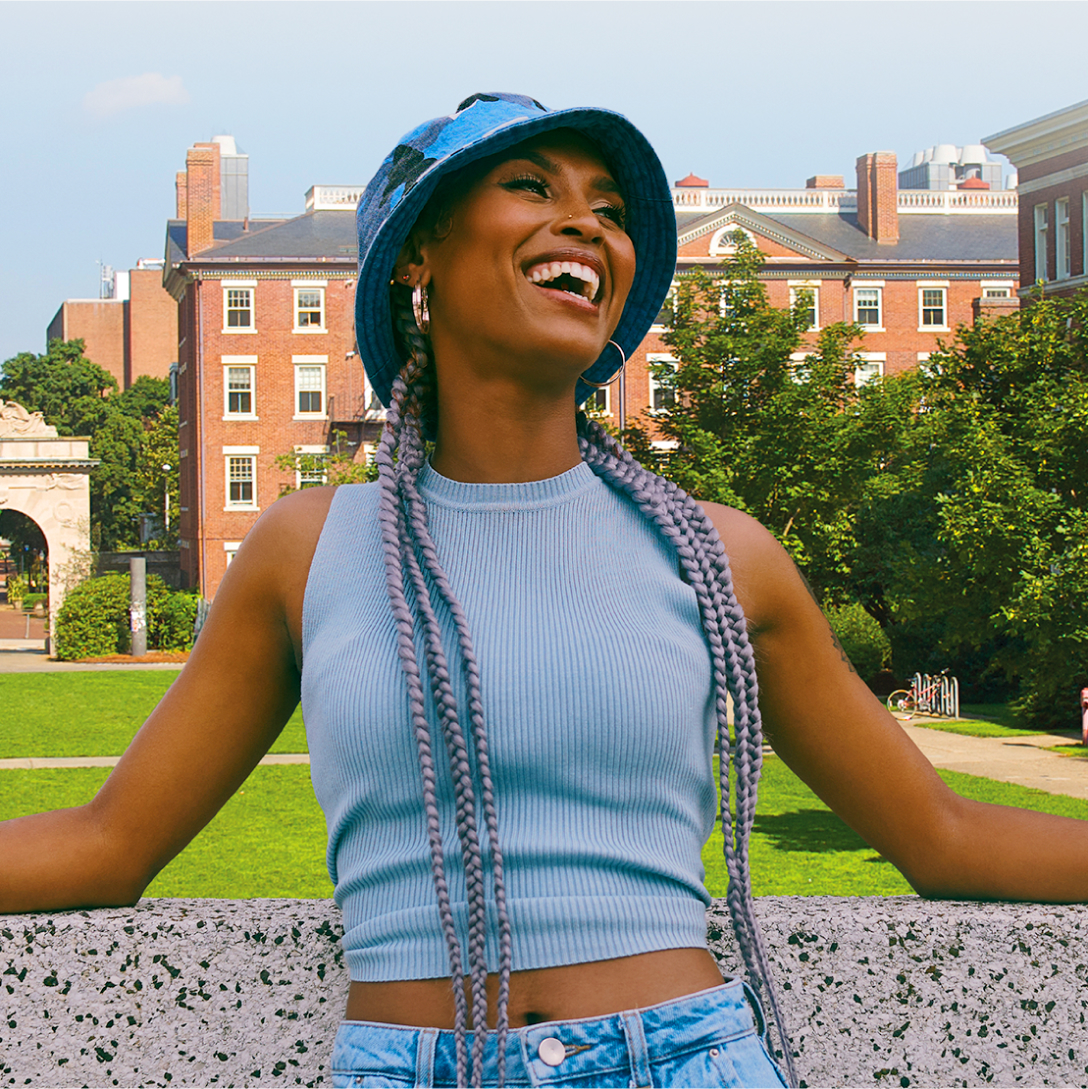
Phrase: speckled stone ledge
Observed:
(879, 992)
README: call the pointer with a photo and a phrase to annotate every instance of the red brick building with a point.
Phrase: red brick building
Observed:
(266, 359)
(908, 265)
(1051, 156)
(133, 331)
(266, 355)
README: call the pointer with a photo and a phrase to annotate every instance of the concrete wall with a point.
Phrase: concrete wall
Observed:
(880, 992)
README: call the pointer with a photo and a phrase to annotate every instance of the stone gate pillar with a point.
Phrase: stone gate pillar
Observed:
(47, 478)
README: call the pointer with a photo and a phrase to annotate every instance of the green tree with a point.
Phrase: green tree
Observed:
(754, 428)
(337, 466)
(80, 398)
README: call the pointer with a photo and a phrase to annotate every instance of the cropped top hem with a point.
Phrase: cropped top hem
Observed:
(548, 932)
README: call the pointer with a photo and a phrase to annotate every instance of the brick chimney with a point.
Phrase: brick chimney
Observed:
(180, 183)
(878, 209)
(825, 181)
(201, 195)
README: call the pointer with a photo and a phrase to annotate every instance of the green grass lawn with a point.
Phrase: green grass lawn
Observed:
(987, 720)
(91, 713)
(269, 840)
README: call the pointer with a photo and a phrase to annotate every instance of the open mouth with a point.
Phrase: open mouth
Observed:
(569, 276)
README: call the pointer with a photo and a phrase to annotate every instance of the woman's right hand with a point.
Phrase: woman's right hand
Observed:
(230, 702)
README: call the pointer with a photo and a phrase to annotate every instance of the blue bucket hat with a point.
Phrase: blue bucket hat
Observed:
(483, 125)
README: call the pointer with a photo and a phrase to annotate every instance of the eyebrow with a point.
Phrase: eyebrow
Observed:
(602, 182)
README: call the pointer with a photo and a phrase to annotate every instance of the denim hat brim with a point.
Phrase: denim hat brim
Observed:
(485, 125)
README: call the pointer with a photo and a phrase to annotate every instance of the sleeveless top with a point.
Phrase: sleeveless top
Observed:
(597, 694)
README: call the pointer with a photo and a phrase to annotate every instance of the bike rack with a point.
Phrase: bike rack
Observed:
(937, 694)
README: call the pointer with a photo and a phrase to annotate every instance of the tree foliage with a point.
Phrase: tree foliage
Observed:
(128, 432)
(948, 502)
(336, 466)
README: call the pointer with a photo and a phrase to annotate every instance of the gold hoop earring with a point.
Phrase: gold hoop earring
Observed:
(605, 385)
(420, 308)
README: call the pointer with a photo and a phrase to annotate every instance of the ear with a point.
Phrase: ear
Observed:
(411, 266)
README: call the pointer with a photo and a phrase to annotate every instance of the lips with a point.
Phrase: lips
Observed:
(563, 273)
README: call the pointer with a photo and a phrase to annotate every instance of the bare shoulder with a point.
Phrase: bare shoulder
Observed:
(767, 583)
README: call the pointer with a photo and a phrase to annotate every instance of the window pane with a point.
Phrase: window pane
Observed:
(308, 305)
(868, 305)
(240, 473)
(309, 382)
(239, 389)
(239, 307)
(933, 306)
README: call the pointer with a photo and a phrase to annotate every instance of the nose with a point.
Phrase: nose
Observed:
(579, 220)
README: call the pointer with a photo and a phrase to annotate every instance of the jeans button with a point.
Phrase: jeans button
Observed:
(551, 1051)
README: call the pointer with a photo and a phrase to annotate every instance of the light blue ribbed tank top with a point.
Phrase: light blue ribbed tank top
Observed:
(596, 684)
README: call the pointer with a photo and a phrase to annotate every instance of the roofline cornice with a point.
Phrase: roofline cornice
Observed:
(1044, 137)
(742, 215)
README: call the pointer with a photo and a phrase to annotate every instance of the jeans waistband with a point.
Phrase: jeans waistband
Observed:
(552, 1049)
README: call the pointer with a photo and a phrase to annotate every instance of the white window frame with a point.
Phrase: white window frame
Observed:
(653, 385)
(878, 287)
(249, 453)
(315, 449)
(230, 362)
(813, 288)
(1006, 287)
(1042, 213)
(721, 247)
(311, 362)
(935, 285)
(230, 550)
(606, 395)
(871, 366)
(1084, 233)
(240, 285)
(799, 368)
(299, 286)
(1063, 248)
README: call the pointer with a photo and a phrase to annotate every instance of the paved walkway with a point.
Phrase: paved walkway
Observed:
(1022, 760)
(28, 656)
(32, 763)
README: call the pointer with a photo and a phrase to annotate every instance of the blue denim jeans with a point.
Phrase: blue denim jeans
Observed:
(704, 1039)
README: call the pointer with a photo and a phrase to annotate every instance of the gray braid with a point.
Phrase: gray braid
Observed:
(404, 436)
(406, 538)
(682, 521)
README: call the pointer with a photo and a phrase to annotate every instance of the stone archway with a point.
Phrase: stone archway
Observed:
(47, 478)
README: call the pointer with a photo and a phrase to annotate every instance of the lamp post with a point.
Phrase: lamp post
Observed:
(166, 499)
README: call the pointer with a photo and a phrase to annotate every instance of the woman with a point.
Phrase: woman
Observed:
(513, 660)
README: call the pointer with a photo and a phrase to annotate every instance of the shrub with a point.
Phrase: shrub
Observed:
(30, 600)
(862, 638)
(94, 619)
(17, 588)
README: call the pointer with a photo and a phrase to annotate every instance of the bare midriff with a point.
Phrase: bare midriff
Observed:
(545, 994)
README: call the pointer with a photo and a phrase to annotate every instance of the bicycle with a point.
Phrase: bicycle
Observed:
(926, 695)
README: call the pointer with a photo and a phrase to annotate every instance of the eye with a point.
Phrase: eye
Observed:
(529, 182)
(617, 213)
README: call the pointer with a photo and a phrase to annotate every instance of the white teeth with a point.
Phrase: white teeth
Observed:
(551, 270)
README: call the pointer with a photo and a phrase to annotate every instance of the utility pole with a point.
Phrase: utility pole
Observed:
(137, 571)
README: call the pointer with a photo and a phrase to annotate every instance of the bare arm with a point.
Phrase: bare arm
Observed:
(218, 719)
(829, 728)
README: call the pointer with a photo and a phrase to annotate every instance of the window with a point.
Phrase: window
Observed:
(996, 291)
(869, 365)
(931, 303)
(309, 307)
(230, 550)
(867, 308)
(599, 402)
(662, 397)
(241, 481)
(1062, 241)
(800, 371)
(238, 390)
(310, 470)
(1041, 227)
(309, 390)
(811, 294)
(238, 298)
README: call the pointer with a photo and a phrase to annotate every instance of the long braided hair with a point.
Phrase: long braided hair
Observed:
(410, 552)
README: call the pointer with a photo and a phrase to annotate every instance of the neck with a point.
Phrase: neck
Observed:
(505, 438)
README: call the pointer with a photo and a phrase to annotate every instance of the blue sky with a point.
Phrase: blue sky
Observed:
(100, 100)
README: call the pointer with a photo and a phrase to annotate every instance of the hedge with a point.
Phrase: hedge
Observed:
(862, 638)
(94, 619)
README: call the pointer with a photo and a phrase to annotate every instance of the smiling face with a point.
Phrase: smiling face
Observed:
(528, 268)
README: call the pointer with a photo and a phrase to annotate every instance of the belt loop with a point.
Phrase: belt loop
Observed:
(761, 1025)
(636, 1049)
(428, 1037)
